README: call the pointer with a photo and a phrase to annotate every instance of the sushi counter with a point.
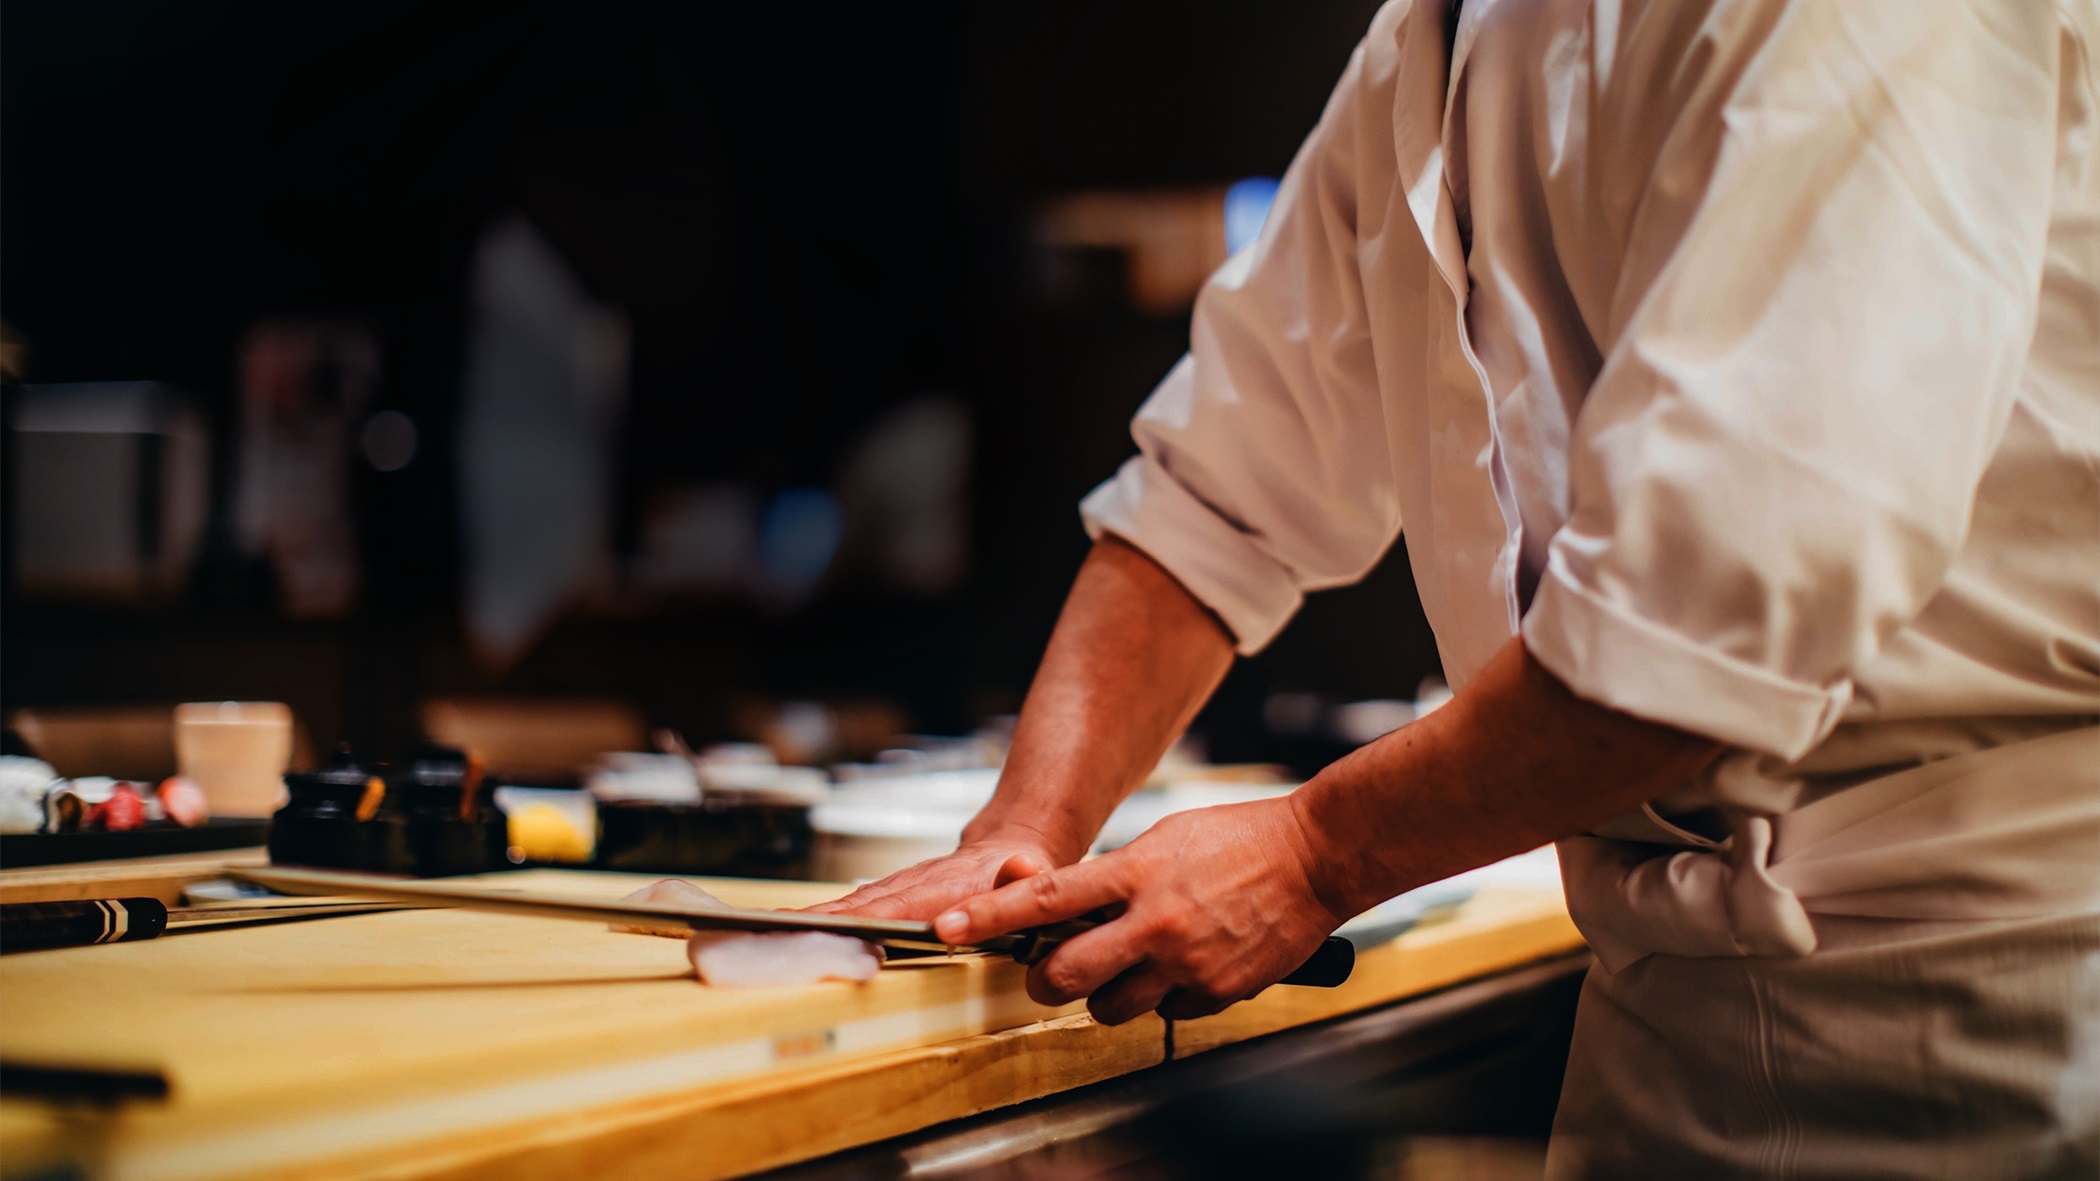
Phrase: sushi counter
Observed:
(441, 1043)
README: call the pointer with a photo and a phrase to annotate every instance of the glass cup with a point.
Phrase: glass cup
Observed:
(236, 752)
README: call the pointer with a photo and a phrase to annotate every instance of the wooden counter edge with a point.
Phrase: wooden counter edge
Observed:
(735, 1129)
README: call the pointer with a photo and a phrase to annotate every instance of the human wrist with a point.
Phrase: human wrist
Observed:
(1339, 872)
(1002, 828)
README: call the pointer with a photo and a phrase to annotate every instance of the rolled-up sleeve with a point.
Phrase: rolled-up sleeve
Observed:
(1775, 467)
(1217, 560)
(1262, 471)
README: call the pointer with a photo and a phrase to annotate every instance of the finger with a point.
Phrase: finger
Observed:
(1048, 897)
(1130, 995)
(921, 900)
(850, 902)
(1084, 963)
(1187, 1004)
(870, 893)
(1022, 865)
(914, 894)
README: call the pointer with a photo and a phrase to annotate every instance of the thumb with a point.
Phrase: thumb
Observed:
(1022, 865)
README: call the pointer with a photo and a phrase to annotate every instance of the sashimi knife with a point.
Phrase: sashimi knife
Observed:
(1329, 966)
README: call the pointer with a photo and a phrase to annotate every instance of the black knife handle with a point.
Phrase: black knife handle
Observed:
(1329, 966)
(30, 926)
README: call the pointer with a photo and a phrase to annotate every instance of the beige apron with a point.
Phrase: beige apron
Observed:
(1899, 979)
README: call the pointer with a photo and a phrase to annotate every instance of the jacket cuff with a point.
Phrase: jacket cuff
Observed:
(1223, 567)
(1607, 654)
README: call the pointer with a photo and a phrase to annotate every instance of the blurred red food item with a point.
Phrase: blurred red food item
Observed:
(124, 810)
(183, 801)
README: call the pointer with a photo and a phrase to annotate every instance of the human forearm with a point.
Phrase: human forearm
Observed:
(1132, 659)
(1514, 761)
(1134, 656)
(1214, 904)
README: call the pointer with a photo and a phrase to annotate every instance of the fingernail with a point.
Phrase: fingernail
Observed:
(952, 925)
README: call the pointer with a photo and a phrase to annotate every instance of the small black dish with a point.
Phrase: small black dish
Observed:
(19, 850)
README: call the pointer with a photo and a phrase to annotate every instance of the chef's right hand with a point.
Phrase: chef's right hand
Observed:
(933, 887)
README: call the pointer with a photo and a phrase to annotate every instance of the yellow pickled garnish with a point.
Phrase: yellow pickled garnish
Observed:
(544, 832)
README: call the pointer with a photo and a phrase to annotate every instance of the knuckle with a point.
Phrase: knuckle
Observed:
(1062, 979)
(1209, 974)
(1175, 927)
(1046, 889)
(1039, 987)
(1206, 975)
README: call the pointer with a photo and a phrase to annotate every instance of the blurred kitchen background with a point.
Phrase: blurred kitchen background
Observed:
(727, 369)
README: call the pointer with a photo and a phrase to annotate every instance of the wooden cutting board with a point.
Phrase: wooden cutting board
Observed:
(457, 1044)
(421, 998)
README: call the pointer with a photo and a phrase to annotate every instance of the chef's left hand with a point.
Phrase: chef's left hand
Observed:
(1212, 905)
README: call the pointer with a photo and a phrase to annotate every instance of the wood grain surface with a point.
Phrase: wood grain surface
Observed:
(440, 1044)
(147, 877)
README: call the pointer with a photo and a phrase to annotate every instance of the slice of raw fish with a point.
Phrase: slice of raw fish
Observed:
(744, 958)
(747, 958)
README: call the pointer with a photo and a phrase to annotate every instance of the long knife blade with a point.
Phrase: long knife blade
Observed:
(900, 933)
(1329, 966)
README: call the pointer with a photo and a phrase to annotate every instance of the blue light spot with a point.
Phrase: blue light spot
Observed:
(1246, 208)
(798, 538)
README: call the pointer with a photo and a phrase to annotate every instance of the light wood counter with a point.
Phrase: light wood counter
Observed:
(147, 877)
(448, 1044)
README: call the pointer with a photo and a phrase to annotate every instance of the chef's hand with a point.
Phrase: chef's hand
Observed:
(930, 887)
(1212, 906)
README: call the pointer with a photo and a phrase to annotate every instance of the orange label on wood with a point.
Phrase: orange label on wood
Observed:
(803, 1043)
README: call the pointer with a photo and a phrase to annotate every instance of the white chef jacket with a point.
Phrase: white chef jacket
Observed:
(1744, 357)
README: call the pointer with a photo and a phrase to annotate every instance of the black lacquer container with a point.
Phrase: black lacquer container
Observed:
(325, 822)
(436, 819)
(445, 810)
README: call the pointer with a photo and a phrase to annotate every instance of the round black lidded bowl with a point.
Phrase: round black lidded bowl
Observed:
(325, 820)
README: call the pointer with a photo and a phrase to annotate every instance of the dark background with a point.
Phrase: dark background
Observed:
(808, 212)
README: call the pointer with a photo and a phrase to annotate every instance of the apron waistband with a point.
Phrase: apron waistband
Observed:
(2007, 833)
